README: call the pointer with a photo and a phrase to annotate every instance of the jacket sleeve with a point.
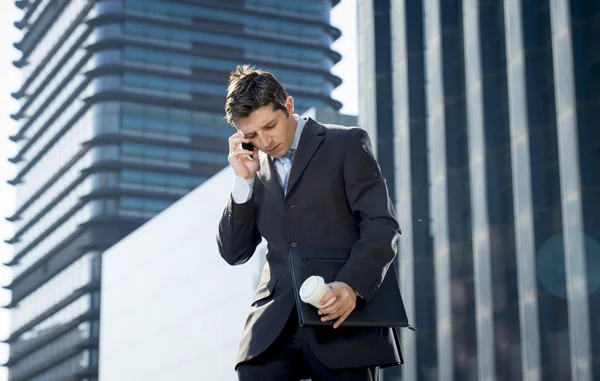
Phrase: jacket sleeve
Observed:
(369, 201)
(238, 235)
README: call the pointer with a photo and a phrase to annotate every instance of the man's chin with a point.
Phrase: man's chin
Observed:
(275, 152)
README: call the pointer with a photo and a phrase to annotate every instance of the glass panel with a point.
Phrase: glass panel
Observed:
(266, 49)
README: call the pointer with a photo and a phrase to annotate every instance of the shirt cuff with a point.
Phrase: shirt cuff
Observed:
(242, 190)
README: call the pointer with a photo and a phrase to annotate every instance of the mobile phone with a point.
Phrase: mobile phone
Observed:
(248, 147)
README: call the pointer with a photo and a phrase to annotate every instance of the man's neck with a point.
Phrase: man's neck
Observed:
(296, 133)
(294, 129)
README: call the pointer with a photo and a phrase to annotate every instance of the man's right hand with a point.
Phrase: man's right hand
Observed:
(239, 158)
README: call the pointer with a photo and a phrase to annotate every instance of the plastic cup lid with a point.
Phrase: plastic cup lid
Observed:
(310, 287)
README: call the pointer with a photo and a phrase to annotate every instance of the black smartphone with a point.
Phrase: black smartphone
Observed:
(248, 147)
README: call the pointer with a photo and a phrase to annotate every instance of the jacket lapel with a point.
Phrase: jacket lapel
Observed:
(268, 175)
(311, 139)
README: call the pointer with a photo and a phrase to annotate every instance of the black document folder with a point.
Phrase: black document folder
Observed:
(385, 309)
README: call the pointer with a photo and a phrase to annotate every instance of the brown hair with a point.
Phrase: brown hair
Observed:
(250, 89)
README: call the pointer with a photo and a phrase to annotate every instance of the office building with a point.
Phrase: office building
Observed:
(496, 149)
(121, 114)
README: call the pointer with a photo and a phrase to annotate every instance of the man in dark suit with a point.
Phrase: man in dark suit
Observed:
(310, 184)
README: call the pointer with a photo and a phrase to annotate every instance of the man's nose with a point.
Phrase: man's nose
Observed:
(266, 141)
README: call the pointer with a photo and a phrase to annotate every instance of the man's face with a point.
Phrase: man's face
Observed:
(270, 131)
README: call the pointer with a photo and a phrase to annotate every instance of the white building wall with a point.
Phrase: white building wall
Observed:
(172, 309)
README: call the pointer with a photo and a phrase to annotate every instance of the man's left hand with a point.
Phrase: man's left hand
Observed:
(343, 304)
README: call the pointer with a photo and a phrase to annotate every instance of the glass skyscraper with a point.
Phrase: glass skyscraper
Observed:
(496, 153)
(121, 114)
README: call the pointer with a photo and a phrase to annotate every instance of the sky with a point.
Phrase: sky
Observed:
(343, 17)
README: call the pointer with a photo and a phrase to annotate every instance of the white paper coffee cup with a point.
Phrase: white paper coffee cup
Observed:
(312, 291)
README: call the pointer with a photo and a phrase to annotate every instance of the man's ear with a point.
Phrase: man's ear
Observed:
(289, 105)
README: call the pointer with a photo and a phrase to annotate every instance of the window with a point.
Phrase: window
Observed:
(176, 62)
(165, 181)
(145, 119)
(171, 85)
(143, 205)
(310, 7)
(302, 104)
(168, 154)
(251, 46)
(184, 12)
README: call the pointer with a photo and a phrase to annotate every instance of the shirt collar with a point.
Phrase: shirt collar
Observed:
(299, 128)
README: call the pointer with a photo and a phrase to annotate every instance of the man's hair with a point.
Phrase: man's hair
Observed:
(250, 89)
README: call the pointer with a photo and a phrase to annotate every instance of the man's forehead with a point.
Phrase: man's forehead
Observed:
(256, 121)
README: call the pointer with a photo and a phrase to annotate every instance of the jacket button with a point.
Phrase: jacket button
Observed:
(294, 244)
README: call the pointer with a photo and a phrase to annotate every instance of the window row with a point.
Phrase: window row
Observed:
(144, 204)
(309, 7)
(169, 154)
(59, 154)
(67, 314)
(186, 12)
(302, 104)
(160, 180)
(274, 50)
(48, 352)
(77, 275)
(54, 33)
(166, 128)
(47, 121)
(171, 85)
(52, 64)
(55, 238)
(57, 211)
(174, 115)
(173, 121)
(67, 369)
(48, 195)
(95, 117)
(39, 8)
(310, 81)
(56, 84)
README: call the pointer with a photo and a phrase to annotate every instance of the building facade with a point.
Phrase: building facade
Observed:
(496, 144)
(121, 114)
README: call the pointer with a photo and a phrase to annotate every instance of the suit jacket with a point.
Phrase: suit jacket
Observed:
(336, 198)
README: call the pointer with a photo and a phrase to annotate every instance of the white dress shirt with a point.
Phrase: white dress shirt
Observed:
(242, 188)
